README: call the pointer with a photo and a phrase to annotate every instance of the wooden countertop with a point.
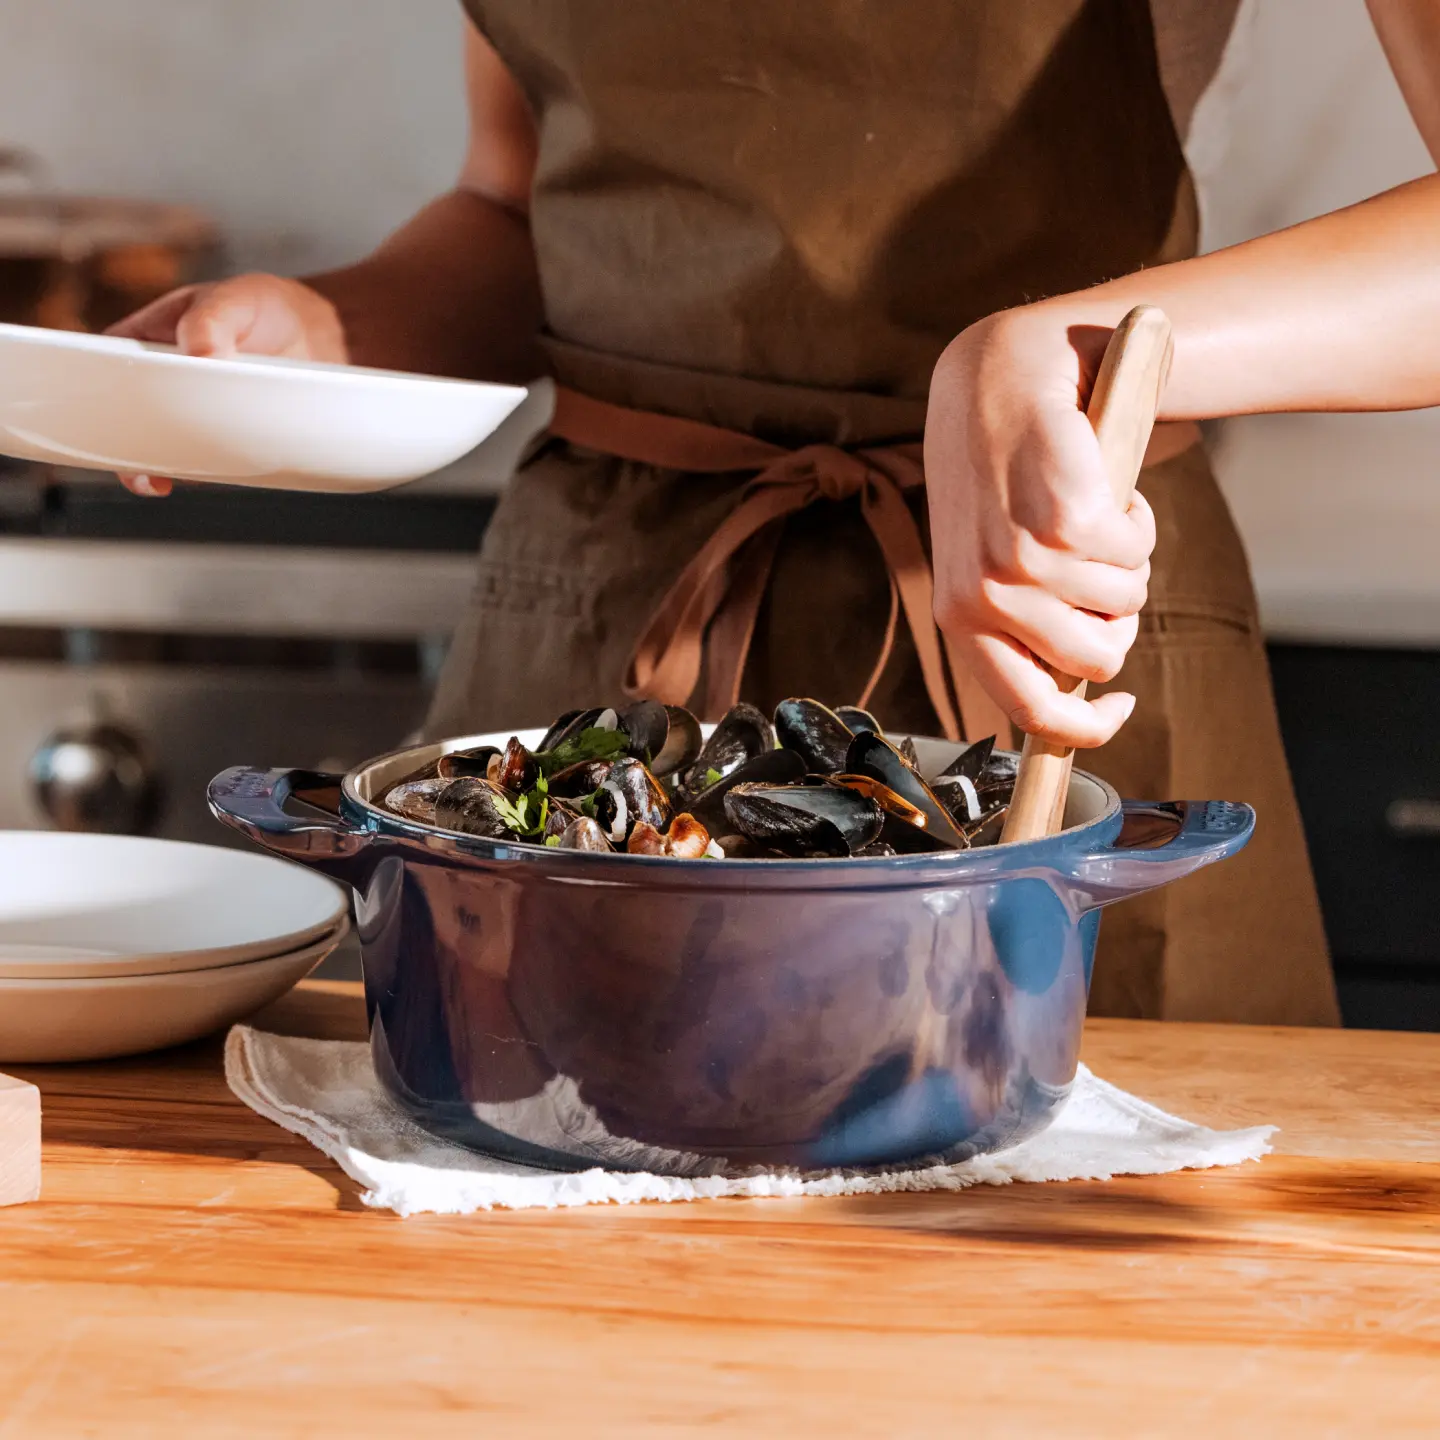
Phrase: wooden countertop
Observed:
(192, 1269)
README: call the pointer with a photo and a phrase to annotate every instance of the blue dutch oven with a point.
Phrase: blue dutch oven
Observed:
(567, 1009)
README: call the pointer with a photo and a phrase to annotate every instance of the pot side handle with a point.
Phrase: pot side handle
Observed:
(1159, 841)
(253, 802)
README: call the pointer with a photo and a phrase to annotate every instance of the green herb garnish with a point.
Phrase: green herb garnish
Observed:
(712, 777)
(552, 842)
(590, 744)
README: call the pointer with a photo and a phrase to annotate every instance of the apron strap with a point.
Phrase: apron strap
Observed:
(717, 597)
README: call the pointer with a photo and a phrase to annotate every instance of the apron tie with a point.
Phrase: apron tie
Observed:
(718, 594)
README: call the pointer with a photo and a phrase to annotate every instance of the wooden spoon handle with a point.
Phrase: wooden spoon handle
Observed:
(1122, 411)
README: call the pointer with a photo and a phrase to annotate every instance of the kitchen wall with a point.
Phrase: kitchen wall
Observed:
(308, 127)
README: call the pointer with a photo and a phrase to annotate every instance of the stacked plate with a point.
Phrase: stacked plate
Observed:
(111, 945)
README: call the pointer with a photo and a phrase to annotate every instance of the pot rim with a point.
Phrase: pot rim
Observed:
(603, 867)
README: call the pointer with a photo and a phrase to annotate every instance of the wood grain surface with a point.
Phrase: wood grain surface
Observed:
(19, 1141)
(194, 1270)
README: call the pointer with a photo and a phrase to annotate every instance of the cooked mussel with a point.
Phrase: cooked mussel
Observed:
(630, 794)
(415, 799)
(560, 815)
(815, 733)
(583, 834)
(857, 719)
(483, 761)
(772, 767)
(876, 757)
(666, 737)
(742, 733)
(572, 722)
(518, 769)
(805, 820)
(687, 839)
(580, 779)
(474, 807)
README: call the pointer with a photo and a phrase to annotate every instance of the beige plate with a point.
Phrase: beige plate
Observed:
(48, 1021)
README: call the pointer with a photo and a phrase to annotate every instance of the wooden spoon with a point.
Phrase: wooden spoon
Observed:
(1122, 411)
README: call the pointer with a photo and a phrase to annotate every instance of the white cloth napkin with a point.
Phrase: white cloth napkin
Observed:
(326, 1091)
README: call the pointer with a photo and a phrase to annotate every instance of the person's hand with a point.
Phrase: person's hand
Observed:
(1033, 558)
(250, 315)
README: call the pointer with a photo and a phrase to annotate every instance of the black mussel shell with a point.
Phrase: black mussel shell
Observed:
(857, 719)
(986, 830)
(560, 815)
(896, 806)
(772, 767)
(580, 779)
(415, 799)
(469, 805)
(805, 820)
(519, 769)
(467, 762)
(877, 848)
(971, 761)
(570, 724)
(666, 737)
(875, 756)
(682, 744)
(959, 796)
(630, 794)
(646, 724)
(911, 754)
(584, 834)
(742, 733)
(815, 733)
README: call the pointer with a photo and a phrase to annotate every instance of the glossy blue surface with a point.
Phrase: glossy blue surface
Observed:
(568, 1009)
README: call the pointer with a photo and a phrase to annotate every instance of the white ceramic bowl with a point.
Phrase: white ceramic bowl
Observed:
(98, 906)
(63, 1021)
(101, 403)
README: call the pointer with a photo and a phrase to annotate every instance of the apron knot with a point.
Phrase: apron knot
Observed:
(836, 474)
(707, 617)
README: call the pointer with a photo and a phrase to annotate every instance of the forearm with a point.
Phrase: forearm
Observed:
(452, 293)
(1340, 313)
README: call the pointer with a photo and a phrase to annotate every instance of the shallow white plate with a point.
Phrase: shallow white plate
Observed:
(77, 906)
(58, 1021)
(102, 403)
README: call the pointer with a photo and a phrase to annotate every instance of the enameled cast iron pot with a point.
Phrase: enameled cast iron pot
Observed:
(567, 1009)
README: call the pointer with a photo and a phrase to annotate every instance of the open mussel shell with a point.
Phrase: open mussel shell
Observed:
(475, 762)
(415, 799)
(471, 805)
(572, 722)
(957, 793)
(582, 778)
(887, 799)
(771, 767)
(815, 733)
(630, 794)
(857, 719)
(742, 733)
(805, 820)
(560, 815)
(666, 737)
(584, 834)
(876, 757)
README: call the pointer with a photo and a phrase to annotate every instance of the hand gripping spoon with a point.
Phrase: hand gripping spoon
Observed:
(1122, 411)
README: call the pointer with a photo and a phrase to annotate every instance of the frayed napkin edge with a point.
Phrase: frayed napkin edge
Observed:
(570, 1189)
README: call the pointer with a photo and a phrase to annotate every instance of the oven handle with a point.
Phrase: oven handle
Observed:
(253, 802)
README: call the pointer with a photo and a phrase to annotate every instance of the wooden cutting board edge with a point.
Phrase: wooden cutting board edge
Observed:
(19, 1141)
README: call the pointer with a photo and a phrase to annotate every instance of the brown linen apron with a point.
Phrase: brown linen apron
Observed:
(771, 219)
